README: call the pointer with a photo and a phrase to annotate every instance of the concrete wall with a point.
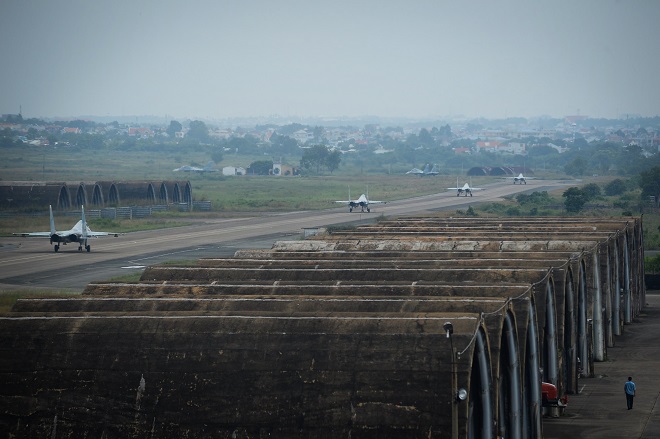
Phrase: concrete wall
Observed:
(336, 335)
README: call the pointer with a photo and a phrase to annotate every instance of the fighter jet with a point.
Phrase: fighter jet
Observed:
(520, 178)
(465, 189)
(78, 233)
(363, 202)
(208, 168)
(428, 170)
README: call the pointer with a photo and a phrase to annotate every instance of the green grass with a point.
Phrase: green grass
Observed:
(280, 194)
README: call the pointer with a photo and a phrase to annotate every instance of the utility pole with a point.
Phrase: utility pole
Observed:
(449, 330)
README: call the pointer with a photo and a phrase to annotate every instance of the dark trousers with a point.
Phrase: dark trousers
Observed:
(629, 400)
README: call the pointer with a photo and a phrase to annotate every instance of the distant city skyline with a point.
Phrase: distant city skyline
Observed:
(205, 59)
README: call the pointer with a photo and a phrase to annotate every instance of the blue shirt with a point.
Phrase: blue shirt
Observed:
(629, 387)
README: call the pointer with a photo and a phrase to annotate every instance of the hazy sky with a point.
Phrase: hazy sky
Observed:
(390, 58)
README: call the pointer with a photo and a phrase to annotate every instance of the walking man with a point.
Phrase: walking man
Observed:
(630, 388)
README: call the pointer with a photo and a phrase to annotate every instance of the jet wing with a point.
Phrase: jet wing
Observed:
(519, 177)
(33, 234)
(98, 234)
(66, 233)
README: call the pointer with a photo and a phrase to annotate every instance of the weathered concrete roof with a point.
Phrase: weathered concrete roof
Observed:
(342, 333)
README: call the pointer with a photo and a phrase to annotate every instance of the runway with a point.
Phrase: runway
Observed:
(32, 263)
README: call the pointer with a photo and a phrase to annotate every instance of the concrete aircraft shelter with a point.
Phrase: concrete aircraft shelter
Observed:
(365, 332)
(72, 195)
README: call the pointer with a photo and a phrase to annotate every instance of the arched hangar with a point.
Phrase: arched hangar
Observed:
(412, 327)
(69, 195)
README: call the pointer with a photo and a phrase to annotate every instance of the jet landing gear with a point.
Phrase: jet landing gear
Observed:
(56, 248)
(87, 247)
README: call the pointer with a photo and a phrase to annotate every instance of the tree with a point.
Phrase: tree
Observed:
(591, 191)
(243, 145)
(262, 167)
(635, 150)
(332, 161)
(649, 181)
(445, 131)
(541, 151)
(174, 128)
(577, 167)
(580, 143)
(575, 199)
(198, 130)
(318, 133)
(283, 145)
(316, 156)
(216, 155)
(615, 187)
(425, 137)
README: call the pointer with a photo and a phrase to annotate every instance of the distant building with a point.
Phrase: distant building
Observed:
(141, 132)
(488, 146)
(512, 148)
(302, 136)
(233, 170)
(284, 170)
(557, 148)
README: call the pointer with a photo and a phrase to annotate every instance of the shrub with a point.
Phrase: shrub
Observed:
(652, 264)
(615, 187)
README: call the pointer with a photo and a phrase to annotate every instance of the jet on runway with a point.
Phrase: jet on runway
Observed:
(465, 189)
(519, 179)
(78, 233)
(363, 202)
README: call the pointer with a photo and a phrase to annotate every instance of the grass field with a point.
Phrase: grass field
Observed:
(227, 194)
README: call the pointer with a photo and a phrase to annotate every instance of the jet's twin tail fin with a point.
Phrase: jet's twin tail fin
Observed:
(52, 221)
(84, 223)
